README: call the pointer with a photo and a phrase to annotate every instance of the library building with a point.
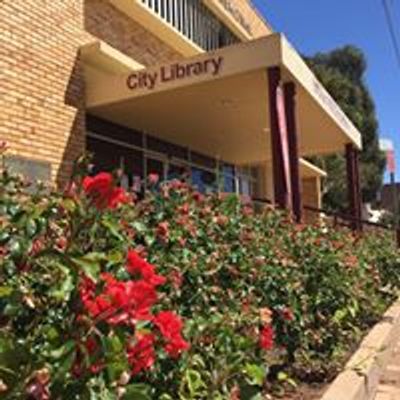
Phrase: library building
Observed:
(204, 88)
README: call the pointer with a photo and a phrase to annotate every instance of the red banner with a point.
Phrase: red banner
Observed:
(390, 161)
(284, 141)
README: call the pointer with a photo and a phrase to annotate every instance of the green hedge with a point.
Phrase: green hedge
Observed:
(253, 303)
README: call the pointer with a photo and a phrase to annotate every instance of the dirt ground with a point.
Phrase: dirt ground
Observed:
(306, 393)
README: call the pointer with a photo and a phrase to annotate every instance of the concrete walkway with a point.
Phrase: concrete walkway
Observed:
(389, 385)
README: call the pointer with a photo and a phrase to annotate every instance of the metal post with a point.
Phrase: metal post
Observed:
(353, 186)
(395, 207)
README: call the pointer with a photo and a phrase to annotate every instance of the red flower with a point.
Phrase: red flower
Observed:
(248, 211)
(198, 197)
(176, 279)
(142, 297)
(120, 302)
(102, 191)
(222, 220)
(287, 314)
(117, 197)
(37, 247)
(163, 230)
(246, 305)
(130, 301)
(137, 265)
(96, 368)
(176, 346)
(266, 340)
(141, 356)
(61, 243)
(184, 209)
(176, 184)
(168, 323)
(91, 345)
(170, 326)
(153, 179)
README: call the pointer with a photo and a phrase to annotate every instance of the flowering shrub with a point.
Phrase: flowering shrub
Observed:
(240, 303)
(81, 312)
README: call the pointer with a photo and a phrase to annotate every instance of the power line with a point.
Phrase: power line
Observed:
(392, 32)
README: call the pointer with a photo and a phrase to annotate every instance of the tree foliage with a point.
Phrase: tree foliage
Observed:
(342, 73)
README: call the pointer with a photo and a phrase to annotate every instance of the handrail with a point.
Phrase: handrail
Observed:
(195, 21)
(337, 216)
(346, 217)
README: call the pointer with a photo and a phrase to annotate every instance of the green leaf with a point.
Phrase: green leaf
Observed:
(256, 373)
(5, 291)
(69, 205)
(4, 237)
(115, 257)
(65, 366)
(31, 227)
(194, 382)
(63, 350)
(137, 392)
(113, 227)
(166, 396)
(284, 377)
(16, 248)
(149, 239)
(63, 293)
(90, 264)
(139, 227)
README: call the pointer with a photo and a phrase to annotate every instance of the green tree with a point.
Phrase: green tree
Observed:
(342, 73)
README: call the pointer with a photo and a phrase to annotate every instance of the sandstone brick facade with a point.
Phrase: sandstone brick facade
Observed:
(105, 22)
(311, 195)
(42, 106)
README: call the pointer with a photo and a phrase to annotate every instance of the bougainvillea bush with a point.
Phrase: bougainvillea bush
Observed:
(178, 295)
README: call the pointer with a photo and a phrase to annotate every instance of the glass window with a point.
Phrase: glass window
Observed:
(228, 178)
(203, 160)
(177, 172)
(248, 177)
(229, 184)
(105, 156)
(169, 149)
(113, 131)
(155, 166)
(245, 186)
(204, 181)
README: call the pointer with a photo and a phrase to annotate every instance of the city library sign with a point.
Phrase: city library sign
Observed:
(177, 71)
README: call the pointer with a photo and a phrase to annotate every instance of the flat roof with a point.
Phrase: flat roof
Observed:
(309, 170)
(217, 102)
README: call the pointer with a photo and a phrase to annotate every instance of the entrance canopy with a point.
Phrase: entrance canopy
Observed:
(216, 103)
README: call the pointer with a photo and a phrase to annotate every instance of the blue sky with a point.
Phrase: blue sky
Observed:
(322, 25)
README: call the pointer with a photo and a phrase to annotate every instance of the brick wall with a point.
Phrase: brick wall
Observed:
(104, 21)
(311, 195)
(42, 110)
(41, 85)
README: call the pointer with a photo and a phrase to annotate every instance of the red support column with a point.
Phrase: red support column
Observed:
(353, 186)
(293, 143)
(281, 189)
